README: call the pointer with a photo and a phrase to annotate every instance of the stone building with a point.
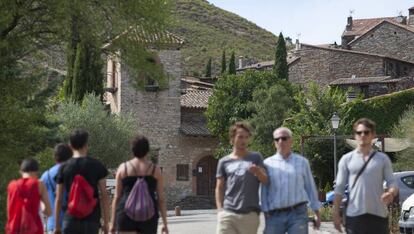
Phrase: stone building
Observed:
(173, 121)
(377, 55)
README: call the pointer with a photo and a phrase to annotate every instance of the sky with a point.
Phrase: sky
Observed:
(311, 21)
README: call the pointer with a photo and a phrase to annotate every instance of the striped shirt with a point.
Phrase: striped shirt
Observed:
(290, 182)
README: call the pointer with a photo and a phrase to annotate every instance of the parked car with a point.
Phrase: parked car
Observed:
(406, 221)
(405, 183)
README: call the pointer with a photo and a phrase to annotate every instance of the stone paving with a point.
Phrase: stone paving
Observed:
(204, 222)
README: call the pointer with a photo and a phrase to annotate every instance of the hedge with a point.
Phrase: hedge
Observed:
(385, 110)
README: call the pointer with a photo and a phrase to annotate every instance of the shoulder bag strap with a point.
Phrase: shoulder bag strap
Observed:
(363, 168)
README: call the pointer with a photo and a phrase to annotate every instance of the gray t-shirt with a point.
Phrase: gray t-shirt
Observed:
(365, 196)
(241, 187)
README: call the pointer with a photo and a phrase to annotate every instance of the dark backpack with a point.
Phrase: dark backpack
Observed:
(81, 201)
(139, 205)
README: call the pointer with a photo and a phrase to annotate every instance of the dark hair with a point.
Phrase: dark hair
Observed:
(140, 146)
(78, 139)
(366, 122)
(240, 125)
(62, 152)
(29, 165)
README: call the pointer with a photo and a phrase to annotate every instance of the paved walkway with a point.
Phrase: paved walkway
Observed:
(204, 222)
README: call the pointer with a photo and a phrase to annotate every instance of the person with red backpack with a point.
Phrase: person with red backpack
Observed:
(83, 178)
(139, 194)
(24, 197)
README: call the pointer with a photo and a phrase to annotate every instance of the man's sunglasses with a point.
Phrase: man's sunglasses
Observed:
(283, 138)
(366, 132)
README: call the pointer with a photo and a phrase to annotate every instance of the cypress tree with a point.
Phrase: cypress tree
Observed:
(87, 72)
(280, 68)
(232, 64)
(223, 62)
(208, 68)
(78, 86)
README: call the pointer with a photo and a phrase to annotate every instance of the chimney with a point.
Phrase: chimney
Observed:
(411, 17)
(297, 45)
(349, 24)
(240, 62)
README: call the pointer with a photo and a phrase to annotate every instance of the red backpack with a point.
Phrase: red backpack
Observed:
(81, 200)
(24, 221)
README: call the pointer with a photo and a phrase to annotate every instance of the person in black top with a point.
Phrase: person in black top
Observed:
(95, 174)
(126, 176)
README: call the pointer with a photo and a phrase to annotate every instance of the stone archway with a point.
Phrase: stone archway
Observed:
(205, 172)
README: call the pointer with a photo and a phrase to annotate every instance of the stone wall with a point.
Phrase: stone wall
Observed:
(326, 65)
(193, 115)
(159, 118)
(389, 40)
(188, 150)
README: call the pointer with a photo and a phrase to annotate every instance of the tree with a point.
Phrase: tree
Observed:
(208, 68)
(87, 72)
(232, 64)
(223, 62)
(269, 114)
(281, 67)
(109, 134)
(316, 107)
(404, 129)
(91, 25)
(230, 102)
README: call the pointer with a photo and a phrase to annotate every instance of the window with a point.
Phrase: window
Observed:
(408, 180)
(183, 172)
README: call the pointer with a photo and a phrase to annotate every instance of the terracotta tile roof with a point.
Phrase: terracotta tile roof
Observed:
(362, 80)
(361, 26)
(266, 64)
(194, 129)
(195, 98)
(406, 27)
(197, 83)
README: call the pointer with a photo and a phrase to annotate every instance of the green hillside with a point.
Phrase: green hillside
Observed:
(207, 30)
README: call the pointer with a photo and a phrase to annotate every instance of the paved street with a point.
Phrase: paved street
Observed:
(204, 222)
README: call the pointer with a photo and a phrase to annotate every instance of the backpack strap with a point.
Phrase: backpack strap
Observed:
(135, 169)
(149, 167)
(363, 167)
(125, 169)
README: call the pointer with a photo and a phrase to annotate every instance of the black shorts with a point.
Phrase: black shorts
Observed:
(75, 226)
(366, 224)
(125, 224)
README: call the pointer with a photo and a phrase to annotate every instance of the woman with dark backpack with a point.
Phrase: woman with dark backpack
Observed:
(24, 196)
(139, 194)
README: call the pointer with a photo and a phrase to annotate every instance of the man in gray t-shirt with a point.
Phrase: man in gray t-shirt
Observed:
(239, 175)
(240, 185)
(366, 211)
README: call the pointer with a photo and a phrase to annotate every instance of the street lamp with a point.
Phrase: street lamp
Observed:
(335, 124)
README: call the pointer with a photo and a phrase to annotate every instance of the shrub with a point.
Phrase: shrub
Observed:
(108, 134)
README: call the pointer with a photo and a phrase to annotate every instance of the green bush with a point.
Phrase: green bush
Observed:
(384, 110)
(405, 129)
(108, 134)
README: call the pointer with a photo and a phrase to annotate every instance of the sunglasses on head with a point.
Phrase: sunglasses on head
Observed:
(283, 138)
(366, 132)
